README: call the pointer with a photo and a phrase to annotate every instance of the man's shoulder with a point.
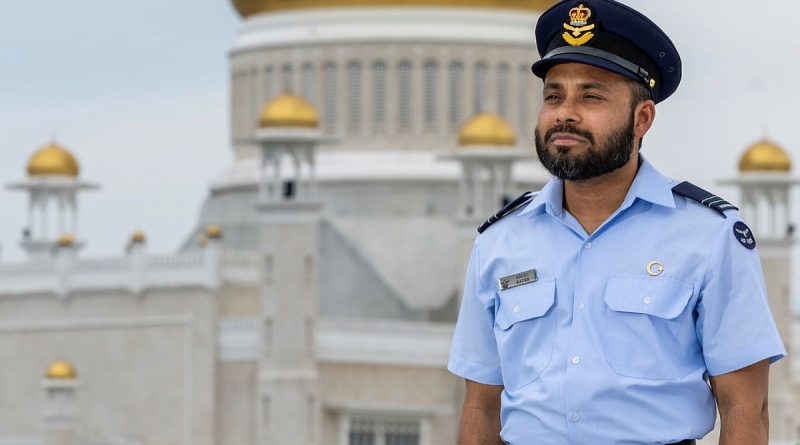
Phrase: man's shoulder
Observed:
(515, 205)
(697, 198)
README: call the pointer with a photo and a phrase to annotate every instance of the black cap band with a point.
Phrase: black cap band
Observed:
(605, 55)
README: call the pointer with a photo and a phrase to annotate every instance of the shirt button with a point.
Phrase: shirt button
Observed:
(648, 300)
(576, 360)
(581, 306)
(575, 418)
(588, 245)
(516, 309)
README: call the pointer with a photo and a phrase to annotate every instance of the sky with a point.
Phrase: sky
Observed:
(138, 91)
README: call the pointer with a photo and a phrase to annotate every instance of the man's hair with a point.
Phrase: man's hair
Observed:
(639, 94)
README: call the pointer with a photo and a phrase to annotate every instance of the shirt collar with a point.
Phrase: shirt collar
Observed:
(649, 185)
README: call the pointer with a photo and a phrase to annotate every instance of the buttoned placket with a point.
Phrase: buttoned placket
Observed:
(587, 246)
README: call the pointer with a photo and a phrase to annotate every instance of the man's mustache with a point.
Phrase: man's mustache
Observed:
(568, 129)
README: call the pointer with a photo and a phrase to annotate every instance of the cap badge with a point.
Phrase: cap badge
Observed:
(578, 26)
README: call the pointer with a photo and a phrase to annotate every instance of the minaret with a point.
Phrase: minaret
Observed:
(486, 154)
(289, 399)
(764, 183)
(52, 187)
(60, 419)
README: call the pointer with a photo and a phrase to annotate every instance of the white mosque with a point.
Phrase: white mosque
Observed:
(314, 300)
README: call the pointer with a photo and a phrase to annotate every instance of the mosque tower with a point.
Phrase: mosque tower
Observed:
(290, 404)
(764, 183)
(52, 186)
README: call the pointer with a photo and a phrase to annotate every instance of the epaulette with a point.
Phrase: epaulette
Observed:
(505, 211)
(704, 197)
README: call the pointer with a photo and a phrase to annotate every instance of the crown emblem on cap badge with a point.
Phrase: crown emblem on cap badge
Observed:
(578, 28)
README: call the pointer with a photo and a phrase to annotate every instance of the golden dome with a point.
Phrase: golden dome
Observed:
(214, 232)
(61, 370)
(486, 129)
(250, 7)
(288, 110)
(66, 240)
(53, 160)
(138, 236)
(765, 156)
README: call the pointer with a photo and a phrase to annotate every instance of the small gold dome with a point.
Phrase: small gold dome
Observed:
(66, 240)
(486, 129)
(53, 160)
(289, 110)
(214, 232)
(765, 156)
(138, 236)
(250, 7)
(61, 370)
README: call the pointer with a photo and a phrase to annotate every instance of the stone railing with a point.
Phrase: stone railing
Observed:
(64, 273)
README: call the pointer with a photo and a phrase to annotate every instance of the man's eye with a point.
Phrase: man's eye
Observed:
(593, 97)
(551, 97)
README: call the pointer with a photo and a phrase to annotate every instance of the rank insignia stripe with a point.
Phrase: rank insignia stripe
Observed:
(518, 279)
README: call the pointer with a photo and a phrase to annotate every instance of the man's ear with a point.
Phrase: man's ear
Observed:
(644, 115)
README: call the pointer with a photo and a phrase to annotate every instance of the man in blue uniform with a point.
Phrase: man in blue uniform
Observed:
(614, 306)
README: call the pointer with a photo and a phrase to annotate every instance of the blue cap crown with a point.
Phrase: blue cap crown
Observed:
(612, 36)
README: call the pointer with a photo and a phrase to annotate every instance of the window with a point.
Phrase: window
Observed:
(379, 94)
(287, 81)
(330, 97)
(404, 95)
(455, 88)
(480, 88)
(502, 90)
(430, 72)
(269, 83)
(524, 99)
(365, 431)
(308, 87)
(354, 87)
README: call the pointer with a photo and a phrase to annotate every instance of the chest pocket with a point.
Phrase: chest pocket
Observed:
(649, 331)
(525, 331)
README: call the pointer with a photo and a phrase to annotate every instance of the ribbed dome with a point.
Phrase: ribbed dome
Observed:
(765, 156)
(486, 129)
(61, 370)
(250, 7)
(53, 160)
(288, 110)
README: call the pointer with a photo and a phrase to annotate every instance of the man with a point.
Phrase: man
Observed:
(615, 306)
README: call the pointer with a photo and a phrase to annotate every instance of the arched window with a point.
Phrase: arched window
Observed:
(480, 88)
(455, 88)
(430, 72)
(270, 87)
(404, 94)
(330, 97)
(354, 94)
(287, 83)
(308, 87)
(524, 100)
(502, 90)
(379, 94)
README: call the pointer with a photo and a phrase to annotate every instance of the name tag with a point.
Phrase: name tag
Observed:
(519, 279)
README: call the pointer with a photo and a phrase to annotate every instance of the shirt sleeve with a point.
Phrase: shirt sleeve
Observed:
(473, 354)
(734, 323)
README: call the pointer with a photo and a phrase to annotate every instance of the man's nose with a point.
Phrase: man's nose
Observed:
(568, 112)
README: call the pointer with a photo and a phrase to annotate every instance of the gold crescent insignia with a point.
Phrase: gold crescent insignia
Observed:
(655, 268)
(579, 41)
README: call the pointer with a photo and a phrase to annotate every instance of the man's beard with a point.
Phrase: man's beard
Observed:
(597, 161)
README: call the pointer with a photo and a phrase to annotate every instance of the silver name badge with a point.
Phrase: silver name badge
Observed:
(518, 279)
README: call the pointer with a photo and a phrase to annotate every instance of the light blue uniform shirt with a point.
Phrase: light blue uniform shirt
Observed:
(597, 351)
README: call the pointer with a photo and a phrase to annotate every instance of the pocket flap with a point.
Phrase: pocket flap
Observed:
(525, 302)
(661, 297)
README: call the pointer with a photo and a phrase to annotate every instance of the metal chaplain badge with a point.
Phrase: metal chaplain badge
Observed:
(579, 27)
